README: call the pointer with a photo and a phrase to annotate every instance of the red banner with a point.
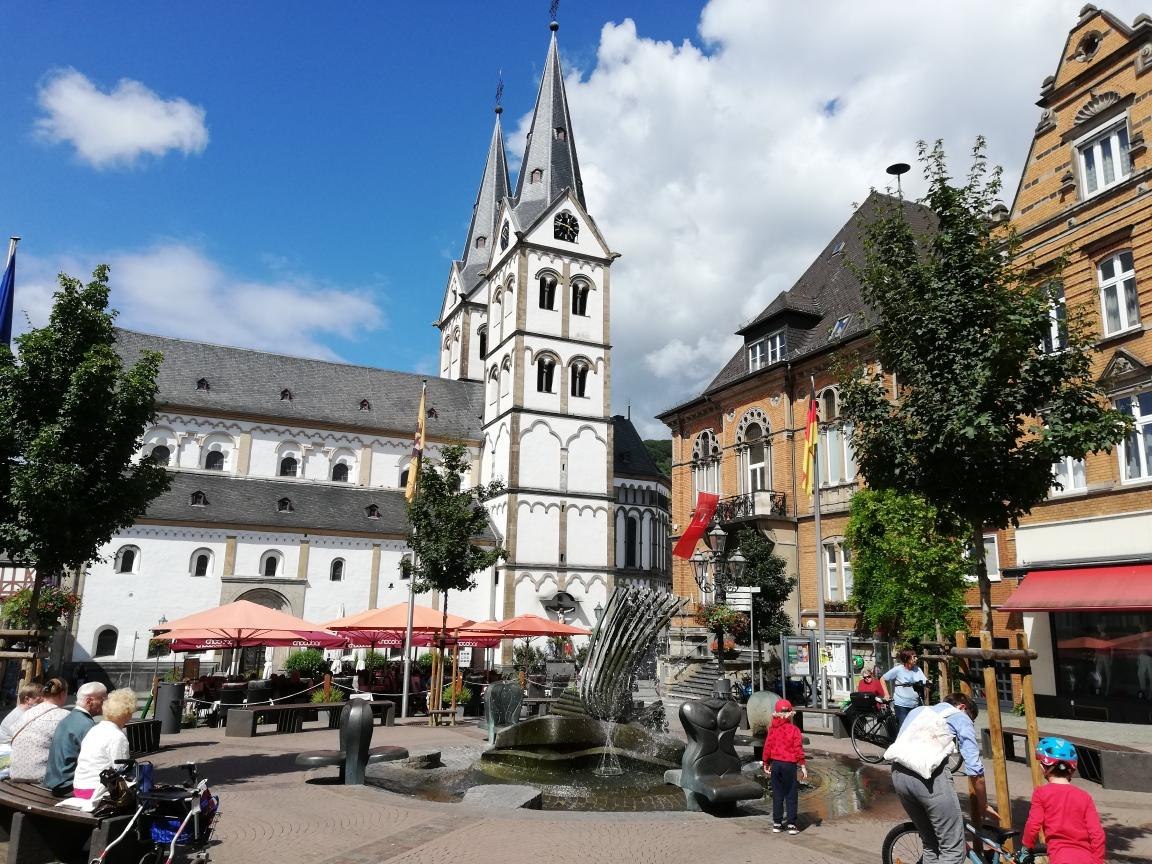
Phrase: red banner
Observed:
(701, 518)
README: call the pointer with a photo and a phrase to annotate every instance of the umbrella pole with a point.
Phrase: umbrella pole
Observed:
(407, 650)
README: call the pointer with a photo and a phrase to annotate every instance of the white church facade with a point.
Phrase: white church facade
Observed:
(288, 473)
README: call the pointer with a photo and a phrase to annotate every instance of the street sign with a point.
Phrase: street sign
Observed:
(740, 599)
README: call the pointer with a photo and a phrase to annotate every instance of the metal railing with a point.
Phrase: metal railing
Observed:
(766, 502)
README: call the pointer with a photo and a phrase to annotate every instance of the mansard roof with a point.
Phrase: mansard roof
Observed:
(243, 381)
(494, 187)
(251, 501)
(826, 293)
(551, 147)
(630, 457)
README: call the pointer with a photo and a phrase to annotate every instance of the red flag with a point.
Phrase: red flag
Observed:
(701, 518)
(811, 432)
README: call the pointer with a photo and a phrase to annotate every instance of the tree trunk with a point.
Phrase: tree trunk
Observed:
(982, 576)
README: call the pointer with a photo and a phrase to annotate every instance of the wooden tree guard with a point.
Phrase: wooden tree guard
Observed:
(1029, 698)
(455, 677)
(996, 732)
(962, 664)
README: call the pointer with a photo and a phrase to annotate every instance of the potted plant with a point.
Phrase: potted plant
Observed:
(463, 696)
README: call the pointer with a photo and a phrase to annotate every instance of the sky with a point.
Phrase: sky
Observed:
(266, 175)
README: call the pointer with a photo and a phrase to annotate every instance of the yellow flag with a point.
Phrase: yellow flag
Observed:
(417, 447)
(812, 430)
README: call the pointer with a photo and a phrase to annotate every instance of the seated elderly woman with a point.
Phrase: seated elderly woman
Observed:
(105, 743)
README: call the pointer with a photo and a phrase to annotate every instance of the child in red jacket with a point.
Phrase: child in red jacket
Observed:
(783, 759)
(1066, 814)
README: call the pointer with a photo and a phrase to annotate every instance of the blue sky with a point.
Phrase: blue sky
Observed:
(296, 178)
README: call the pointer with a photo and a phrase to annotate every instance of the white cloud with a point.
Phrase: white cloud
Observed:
(719, 174)
(174, 289)
(118, 127)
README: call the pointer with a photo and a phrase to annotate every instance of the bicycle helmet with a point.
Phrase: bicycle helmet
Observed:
(1053, 751)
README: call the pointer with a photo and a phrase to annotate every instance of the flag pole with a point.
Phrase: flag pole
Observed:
(8, 292)
(410, 494)
(821, 634)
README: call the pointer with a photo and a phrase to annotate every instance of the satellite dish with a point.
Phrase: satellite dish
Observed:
(898, 168)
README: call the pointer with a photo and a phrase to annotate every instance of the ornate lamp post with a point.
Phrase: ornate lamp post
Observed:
(714, 572)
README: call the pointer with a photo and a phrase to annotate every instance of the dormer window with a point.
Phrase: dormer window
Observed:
(536, 176)
(365, 405)
(202, 384)
(837, 329)
(766, 351)
(284, 505)
(560, 133)
(504, 237)
(481, 242)
(198, 499)
(838, 249)
(777, 346)
(285, 395)
(372, 511)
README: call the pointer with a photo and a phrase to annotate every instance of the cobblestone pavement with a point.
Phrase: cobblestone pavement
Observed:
(272, 811)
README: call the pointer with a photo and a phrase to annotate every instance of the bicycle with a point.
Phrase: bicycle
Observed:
(903, 845)
(168, 816)
(873, 732)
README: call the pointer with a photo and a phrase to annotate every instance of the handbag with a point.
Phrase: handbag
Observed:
(119, 796)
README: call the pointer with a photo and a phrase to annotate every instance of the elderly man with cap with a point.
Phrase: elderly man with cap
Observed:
(69, 734)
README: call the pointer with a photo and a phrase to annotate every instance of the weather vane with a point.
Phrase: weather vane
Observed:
(499, 87)
(553, 9)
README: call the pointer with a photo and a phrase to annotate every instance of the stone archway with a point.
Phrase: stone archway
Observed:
(256, 659)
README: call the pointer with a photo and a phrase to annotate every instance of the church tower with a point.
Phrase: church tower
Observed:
(530, 304)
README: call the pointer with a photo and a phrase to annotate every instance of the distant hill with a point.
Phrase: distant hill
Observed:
(661, 453)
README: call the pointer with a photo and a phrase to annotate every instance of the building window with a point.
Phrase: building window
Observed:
(482, 335)
(203, 384)
(632, 542)
(580, 292)
(547, 291)
(201, 563)
(536, 176)
(1118, 293)
(837, 458)
(285, 395)
(365, 405)
(214, 461)
(545, 373)
(837, 330)
(372, 511)
(755, 476)
(284, 505)
(336, 571)
(270, 565)
(1104, 159)
(991, 559)
(777, 347)
(579, 374)
(105, 643)
(1056, 334)
(1136, 448)
(838, 571)
(160, 455)
(560, 133)
(127, 559)
(756, 355)
(340, 472)
(198, 499)
(481, 242)
(504, 237)
(404, 478)
(705, 464)
(288, 466)
(1068, 476)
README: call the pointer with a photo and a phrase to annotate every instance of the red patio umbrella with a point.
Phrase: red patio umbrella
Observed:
(528, 625)
(394, 618)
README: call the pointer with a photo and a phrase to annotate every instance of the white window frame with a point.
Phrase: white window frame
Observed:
(1070, 472)
(1139, 405)
(777, 346)
(991, 559)
(756, 354)
(1127, 303)
(1090, 149)
(1056, 337)
(192, 563)
(278, 557)
(838, 576)
(119, 560)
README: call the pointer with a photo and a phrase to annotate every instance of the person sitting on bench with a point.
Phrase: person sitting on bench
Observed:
(32, 738)
(69, 735)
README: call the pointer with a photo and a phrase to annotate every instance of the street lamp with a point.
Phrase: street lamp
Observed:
(714, 571)
(598, 612)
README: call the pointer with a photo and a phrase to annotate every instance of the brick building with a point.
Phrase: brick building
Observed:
(1084, 558)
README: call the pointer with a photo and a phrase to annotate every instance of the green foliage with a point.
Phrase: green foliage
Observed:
(768, 572)
(908, 563)
(721, 618)
(54, 606)
(424, 662)
(71, 417)
(661, 452)
(463, 695)
(374, 660)
(527, 656)
(309, 662)
(983, 412)
(335, 694)
(173, 676)
(446, 522)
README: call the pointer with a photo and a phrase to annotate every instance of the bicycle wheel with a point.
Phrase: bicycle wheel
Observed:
(902, 845)
(870, 737)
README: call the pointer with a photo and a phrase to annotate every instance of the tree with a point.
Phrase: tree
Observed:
(446, 522)
(767, 571)
(71, 417)
(983, 411)
(910, 570)
(660, 449)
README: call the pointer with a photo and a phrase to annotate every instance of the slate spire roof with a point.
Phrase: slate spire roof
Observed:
(551, 148)
(494, 186)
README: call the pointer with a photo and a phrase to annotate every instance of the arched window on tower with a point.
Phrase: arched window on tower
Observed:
(201, 563)
(336, 571)
(545, 373)
(547, 291)
(288, 466)
(105, 643)
(128, 559)
(270, 564)
(214, 461)
(482, 335)
(580, 291)
(504, 237)
(160, 455)
(579, 379)
(632, 542)
(340, 472)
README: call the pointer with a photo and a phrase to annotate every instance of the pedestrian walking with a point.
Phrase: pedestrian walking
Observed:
(783, 761)
(907, 680)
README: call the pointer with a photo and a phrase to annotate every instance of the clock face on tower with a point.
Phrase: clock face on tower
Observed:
(566, 227)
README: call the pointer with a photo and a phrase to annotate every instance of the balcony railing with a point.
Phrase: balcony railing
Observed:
(750, 505)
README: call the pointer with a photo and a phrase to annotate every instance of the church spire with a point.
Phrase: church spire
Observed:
(493, 190)
(549, 164)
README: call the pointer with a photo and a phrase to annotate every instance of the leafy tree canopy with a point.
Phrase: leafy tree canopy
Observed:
(661, 452)
(71, 417)
(767, 571)
(447, 522)
(910, 569)
(983, 411)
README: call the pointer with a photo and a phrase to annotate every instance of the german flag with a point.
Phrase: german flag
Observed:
(417, 446)
(811, 431)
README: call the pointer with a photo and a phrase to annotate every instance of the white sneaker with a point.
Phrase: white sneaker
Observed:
(792, 829)
(777, 827)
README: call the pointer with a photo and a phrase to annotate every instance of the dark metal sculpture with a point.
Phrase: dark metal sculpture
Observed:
(502, 701)
(710, 769)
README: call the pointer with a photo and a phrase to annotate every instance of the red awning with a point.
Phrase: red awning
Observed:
(1086, 589)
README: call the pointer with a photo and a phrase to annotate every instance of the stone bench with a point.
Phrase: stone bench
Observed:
(36, 830)
(356, 751)
(243, 722)
(1113, 766)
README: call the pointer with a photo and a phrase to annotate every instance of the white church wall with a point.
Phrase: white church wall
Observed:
(539, 457)
(538, 531)
(587, 526)
(587, 460)
(252, 546)
(325, 599)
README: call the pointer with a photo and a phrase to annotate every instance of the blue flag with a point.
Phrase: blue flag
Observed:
(7, 295)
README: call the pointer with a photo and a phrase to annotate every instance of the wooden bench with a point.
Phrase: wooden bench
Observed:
(37, 831)
(143, 737)
(1113, 766)
(243, 721)
(436, 715)
(838, 730)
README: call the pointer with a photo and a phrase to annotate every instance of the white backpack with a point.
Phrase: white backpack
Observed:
(925, 742)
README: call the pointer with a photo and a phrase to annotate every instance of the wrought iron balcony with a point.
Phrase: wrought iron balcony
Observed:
(750, 505)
